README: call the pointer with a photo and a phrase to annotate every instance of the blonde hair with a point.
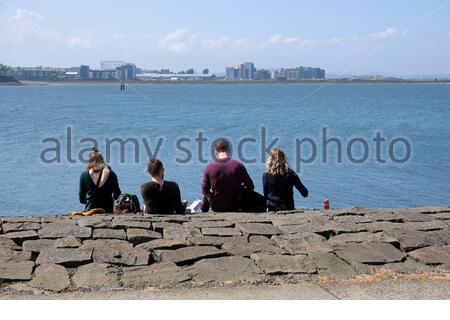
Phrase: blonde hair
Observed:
(96, 162)
(277, 162)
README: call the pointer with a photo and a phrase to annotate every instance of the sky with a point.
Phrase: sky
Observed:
(344, 37)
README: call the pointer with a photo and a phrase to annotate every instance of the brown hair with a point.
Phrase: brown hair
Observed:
(222, 145)
(96, 162)
(277, 162)
(154, 166)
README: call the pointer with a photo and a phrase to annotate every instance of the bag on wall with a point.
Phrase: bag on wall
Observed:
(127, 203)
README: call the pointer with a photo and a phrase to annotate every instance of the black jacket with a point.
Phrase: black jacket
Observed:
(165, 200)
(278, 190)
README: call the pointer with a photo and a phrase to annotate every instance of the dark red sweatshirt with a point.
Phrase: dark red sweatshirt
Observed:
(223, 180)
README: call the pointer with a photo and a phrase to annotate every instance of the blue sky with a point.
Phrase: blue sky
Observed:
(344, 37)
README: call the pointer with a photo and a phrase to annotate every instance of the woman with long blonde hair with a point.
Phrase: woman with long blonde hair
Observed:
(98, 184)
(279, 181)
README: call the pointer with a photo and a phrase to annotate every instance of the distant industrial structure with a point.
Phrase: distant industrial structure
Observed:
(247, 71)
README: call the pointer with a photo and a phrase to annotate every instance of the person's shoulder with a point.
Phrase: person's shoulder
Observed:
(171, 184)
(236, 163)
(112, 174)
(292, 173)
(147, 186)
(210, 165)
(84, 174)
(267, 174)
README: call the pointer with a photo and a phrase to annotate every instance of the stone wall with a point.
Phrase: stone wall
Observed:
(61, 253)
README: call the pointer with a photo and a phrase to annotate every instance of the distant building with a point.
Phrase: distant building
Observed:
(242, 71)
(247, 71)
(262, 74)
(230, 73)
(111, 65)
(174, 77)
(130, 71)
(84, 72)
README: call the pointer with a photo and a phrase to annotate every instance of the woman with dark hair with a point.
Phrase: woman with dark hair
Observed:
(279, 181)
(99, 186)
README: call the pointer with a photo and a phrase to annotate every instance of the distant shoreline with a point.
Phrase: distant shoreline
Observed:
(222, 82)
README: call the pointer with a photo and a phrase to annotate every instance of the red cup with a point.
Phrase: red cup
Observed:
(326, 204)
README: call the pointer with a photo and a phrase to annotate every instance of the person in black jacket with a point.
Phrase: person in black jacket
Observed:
(160, 196)
(99, 186)
(279, 181)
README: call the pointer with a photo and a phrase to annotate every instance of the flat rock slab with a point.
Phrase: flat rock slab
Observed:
(69, 257)
(20, 226)
(264, 229)
(331, 266)
(63, 229)
(290, 219)
(118, 252)
(427, 225)
(155, 275)
(319, 228)
(362, 237)
(434, 255)
(161, 244)
(189, 255)
(95, 222)
(385, 216)
(177, 231)
(124, 224)
(277, 264)
(38, 245)
(17, 219)
(246, 249)
(160, 226)
(226, 270)
(221, 232)
(21, 270)
(8, 243)
(409, 266)
(209, 224)
(442, 216)
(410, 215)
(109, 234)
(171, 218)
(95, 276)
(339, 228)
(247, 217)
(208, 240)
(21, 236)
(7, 255)
(51, 277)
(369, 253)
(352, 219)
(137, 235)
(302, 243)
(411, 239)
(67, 242)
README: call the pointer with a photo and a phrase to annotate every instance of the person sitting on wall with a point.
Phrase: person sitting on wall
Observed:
(99, 186)
(279, 181)
(225, 180)
(161, 196)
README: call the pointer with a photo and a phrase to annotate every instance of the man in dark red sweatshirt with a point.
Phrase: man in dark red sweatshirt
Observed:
(223, 181)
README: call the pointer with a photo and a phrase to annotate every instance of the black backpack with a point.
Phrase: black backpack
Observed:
(128, 203)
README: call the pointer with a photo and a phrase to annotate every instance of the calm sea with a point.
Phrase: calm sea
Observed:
(417, 113)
